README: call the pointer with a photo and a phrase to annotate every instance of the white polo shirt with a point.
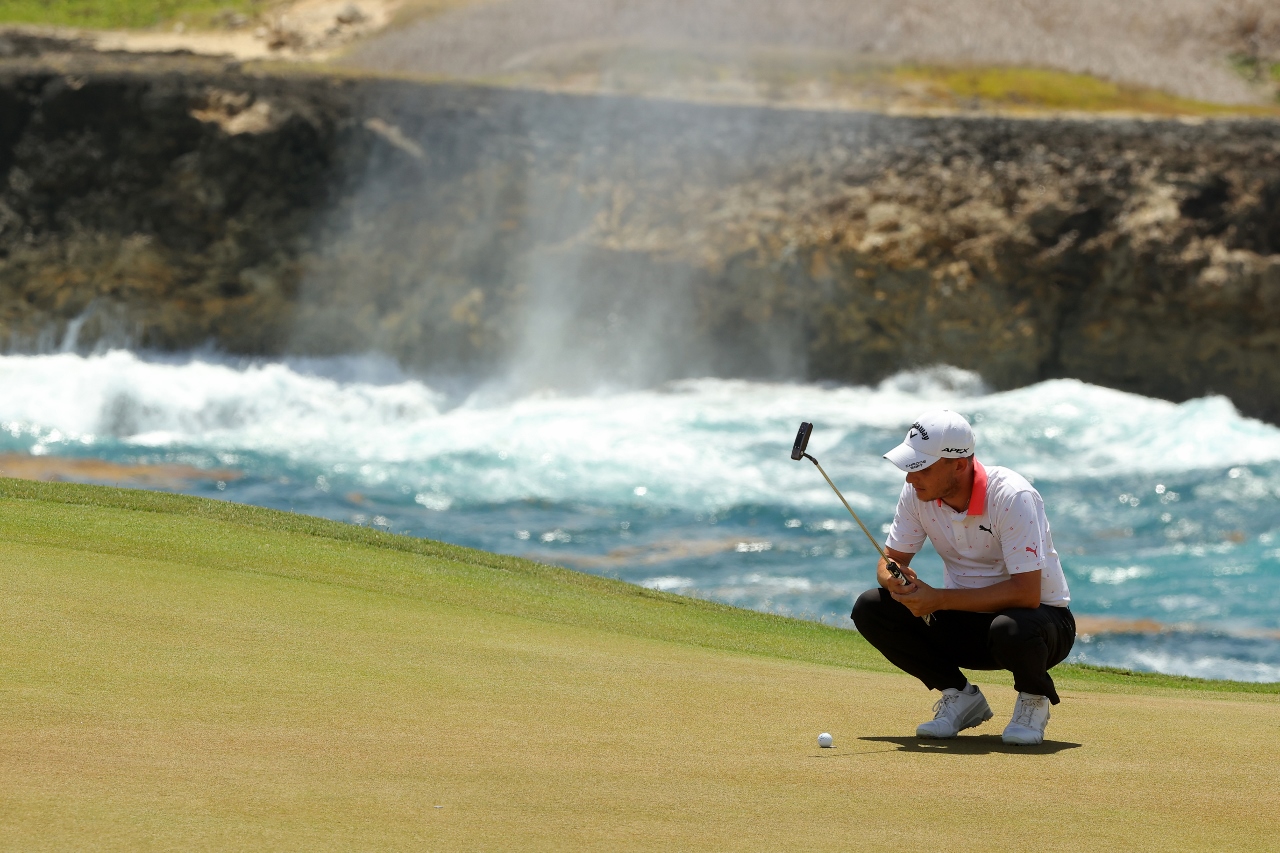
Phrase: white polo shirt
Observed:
(1003, 532)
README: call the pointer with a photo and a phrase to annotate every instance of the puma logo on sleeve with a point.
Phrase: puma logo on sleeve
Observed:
(1031, 550)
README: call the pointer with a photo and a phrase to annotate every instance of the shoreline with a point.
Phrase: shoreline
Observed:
(63, 469)
(1092, 625)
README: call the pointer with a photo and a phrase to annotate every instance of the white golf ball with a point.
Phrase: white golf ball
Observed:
(824, 740)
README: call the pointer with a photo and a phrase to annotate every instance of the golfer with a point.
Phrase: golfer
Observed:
(1004, 601)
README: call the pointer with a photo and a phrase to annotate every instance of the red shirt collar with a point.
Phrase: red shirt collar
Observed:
(978, 497)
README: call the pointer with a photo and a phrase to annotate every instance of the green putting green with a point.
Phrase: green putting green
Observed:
(187, 674)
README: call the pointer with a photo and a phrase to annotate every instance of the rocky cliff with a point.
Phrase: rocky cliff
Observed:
(171, 204)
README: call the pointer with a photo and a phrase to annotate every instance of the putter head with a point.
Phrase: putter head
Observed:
(802, 441)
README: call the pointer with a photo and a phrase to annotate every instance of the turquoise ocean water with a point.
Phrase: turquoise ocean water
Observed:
(1161, 512)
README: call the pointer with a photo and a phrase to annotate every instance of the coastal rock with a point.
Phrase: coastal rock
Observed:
(563, 240)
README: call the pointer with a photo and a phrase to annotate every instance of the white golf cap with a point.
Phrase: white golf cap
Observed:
(933, 436)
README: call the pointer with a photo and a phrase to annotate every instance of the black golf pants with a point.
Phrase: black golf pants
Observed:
(1027, 642)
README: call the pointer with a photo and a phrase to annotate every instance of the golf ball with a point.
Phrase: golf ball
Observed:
(824, 740)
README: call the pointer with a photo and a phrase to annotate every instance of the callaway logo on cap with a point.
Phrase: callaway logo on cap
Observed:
(933, 436)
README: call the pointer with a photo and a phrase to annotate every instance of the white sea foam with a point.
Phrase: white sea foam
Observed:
(268, 406)
(1217, 667)
(703, 443)
(1066, 428)
(1118, 574)
(669, 583)
(1199, 656)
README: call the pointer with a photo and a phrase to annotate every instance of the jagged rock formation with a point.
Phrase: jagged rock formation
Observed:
(465, 230)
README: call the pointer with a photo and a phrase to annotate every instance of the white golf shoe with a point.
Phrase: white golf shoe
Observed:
(1030, 716)
(955, 712)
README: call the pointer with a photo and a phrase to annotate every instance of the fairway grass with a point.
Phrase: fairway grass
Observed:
(186, 674)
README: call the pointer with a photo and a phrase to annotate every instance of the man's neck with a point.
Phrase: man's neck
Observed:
(959, 500)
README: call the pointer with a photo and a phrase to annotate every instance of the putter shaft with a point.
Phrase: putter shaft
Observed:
(870, 538)
(892, 566)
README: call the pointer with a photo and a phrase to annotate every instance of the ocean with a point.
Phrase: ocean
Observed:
(1165, 515)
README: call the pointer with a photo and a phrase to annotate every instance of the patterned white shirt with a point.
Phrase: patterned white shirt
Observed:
(1003, 532)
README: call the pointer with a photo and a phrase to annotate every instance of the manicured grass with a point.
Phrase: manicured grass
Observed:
(526, 588)
(110, 14)
(178, 673)
(459, 576)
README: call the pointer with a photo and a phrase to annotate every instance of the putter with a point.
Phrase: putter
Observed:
(798, 453)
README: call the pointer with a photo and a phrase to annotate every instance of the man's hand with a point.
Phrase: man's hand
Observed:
(893, 584)
(886, 578)
(918, 597)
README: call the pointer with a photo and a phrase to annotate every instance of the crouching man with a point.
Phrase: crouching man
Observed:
(1004, 601)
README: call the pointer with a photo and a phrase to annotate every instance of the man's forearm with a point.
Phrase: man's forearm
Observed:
(1022, 590)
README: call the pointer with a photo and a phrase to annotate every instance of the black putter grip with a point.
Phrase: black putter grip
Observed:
(802, 441)
(897, 573)
(893, 570)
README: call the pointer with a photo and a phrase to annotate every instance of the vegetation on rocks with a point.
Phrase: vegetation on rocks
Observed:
(1042, 89)
(128, 13)
(832, 80)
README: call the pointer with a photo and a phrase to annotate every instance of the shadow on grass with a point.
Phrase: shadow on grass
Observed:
(974, 745)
